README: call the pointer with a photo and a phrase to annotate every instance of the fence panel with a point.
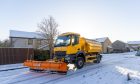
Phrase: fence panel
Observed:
(14, 55)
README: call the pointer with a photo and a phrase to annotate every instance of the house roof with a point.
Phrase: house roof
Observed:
(101, 39)
(23, 34)
(133, 42)
(119, 41)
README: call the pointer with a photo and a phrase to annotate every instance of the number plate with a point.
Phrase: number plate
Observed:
(37, 64)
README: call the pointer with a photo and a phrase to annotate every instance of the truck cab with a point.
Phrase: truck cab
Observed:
(68, 43)
(67, 46)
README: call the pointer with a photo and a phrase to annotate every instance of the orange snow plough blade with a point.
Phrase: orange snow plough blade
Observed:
(46, 65)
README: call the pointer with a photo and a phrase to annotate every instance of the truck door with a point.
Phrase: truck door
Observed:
(75, 43)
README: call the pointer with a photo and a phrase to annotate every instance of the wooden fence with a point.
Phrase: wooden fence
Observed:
(15, 55)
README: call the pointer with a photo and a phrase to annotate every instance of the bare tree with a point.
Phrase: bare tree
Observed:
(48, 30)
(5, 43)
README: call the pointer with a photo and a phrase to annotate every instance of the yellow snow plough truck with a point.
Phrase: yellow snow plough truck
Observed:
(69, 48)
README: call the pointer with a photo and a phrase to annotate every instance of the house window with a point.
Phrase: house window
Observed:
(30, 41)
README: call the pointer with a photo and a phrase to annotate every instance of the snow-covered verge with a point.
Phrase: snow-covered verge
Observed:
(11, 66)
(116, 72)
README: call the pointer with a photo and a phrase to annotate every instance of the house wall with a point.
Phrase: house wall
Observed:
(135, 46)
(20, 43)
(119, 46)
(23, 43)
(105, 46)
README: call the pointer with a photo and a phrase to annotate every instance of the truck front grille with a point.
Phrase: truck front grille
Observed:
(60, 54)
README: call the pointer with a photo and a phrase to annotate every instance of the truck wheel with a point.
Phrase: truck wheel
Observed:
(98, 59)
(80, 62)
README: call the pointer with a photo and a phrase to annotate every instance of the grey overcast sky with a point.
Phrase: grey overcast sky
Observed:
(116, 19)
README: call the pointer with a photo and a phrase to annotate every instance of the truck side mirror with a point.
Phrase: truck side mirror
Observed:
(75, 40)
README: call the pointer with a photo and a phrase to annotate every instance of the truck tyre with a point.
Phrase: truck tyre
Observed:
(80, 62)
(98, 59)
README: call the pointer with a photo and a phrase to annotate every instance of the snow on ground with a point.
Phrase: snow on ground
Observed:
(115, 73)
(113, 69)
(11, 66)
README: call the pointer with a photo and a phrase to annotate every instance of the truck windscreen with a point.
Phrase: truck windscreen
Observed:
(62, 41)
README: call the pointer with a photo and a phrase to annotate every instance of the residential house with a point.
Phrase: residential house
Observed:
(120, 47)
(106, 43)
(22, 39)
(135, 45)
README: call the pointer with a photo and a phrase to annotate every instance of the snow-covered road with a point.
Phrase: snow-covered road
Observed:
(113, 69)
